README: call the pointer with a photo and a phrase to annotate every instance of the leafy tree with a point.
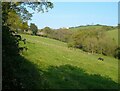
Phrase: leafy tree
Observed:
(46, 30)
(14, 21)
(15, 13)
(24, 27)
(33, 28)
(10, 49)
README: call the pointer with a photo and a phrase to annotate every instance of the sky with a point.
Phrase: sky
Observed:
(71, 14)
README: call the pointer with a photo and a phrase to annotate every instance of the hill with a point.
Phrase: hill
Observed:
(113, 34)
(64, 67)
(89, 27)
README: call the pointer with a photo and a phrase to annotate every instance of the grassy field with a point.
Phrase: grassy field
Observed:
(86, 27)
(63, 67)
(113, 34)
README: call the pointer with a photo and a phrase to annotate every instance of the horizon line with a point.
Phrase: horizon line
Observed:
(82, 26)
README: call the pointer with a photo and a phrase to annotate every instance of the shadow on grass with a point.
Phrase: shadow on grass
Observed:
(70, 77)
(20, 73)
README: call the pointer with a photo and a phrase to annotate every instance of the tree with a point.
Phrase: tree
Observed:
(14, 21)
(24, 26)
(46, 30)
(10, 42)
(33, 28)
(15, 16)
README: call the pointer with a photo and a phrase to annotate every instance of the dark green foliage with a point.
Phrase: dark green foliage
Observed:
(33, 28)
(17, 72)
(10, 59)
(10, 52)
(117, 53)
(10, 42)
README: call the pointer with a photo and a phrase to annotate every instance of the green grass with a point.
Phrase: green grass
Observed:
(65, 67)
(86, 27)
(113, 34)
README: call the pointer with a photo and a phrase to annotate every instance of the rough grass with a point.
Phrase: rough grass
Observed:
(113, 34)
(85, 27)
(65, 67)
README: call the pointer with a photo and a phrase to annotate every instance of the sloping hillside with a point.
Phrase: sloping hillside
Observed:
(113, 34)
(89, 27)
(65, 67)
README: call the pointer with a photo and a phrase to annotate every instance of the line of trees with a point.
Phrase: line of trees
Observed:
(59, 34)
(93, 40)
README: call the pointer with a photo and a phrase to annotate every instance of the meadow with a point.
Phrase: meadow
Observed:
(61, 67)
(113, 34)
(79, 57)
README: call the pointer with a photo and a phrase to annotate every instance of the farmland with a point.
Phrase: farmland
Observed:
(57, 62)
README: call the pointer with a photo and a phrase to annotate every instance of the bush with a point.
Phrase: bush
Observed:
(10, 42)
(117, 53)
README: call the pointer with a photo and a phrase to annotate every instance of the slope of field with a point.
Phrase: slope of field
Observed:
(65, 67)
(85, 27)
(113, 34)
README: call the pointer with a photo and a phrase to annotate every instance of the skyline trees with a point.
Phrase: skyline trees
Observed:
(33, 28)
(93, 40)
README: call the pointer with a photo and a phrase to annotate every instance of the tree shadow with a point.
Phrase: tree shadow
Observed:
(71, 77)
(20, 73)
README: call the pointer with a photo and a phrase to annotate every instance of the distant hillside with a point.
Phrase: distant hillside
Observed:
(89, 27)
(99, 39)
(111, 31)
(113, 34)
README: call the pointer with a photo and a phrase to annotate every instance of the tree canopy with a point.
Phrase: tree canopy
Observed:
(14, 17)
(34, 28)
